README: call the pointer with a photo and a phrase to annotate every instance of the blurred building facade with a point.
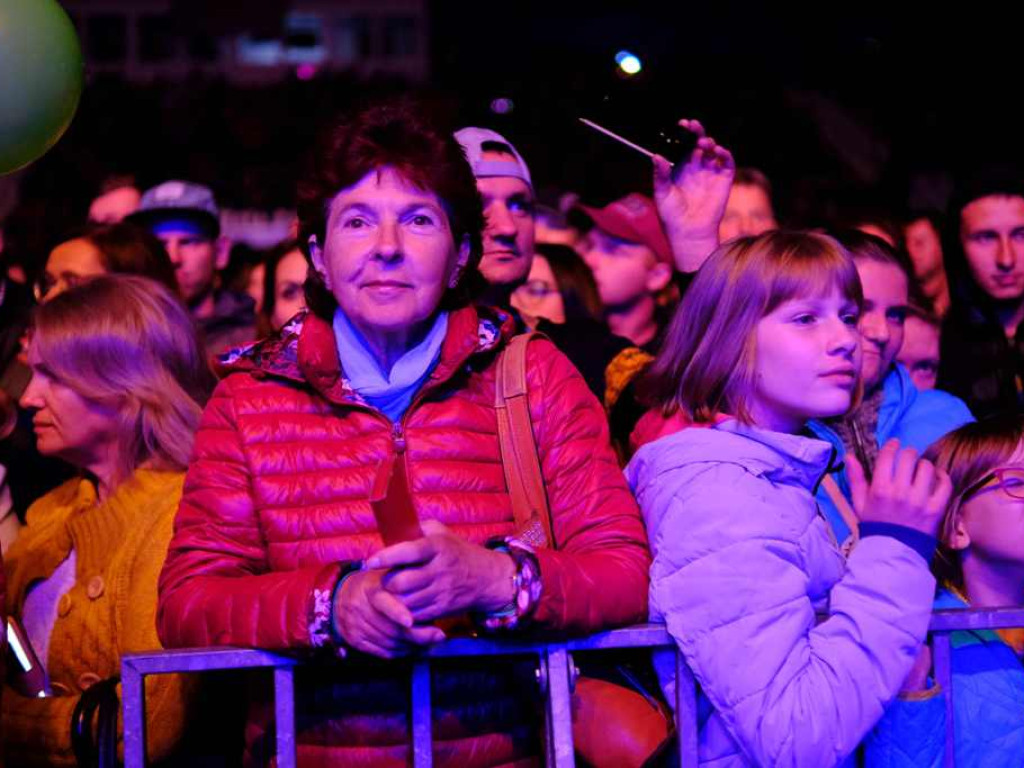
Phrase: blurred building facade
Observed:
(147, 40)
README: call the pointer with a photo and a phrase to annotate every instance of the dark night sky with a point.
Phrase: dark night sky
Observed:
(923, 89)
(845, 105)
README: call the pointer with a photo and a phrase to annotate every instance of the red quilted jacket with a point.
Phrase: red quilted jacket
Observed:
(275, 502)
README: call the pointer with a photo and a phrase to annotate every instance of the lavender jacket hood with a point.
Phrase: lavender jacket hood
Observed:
(743, 562)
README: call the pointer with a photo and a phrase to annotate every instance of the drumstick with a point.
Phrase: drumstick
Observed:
(616, 136)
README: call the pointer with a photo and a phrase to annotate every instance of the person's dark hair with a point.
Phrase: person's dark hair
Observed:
(752, 177)
(933, 217)
(580, 297)
(924, 313)
(127, 249)
(867, 247)
(400, 135)
(968, 454)
(271, 259)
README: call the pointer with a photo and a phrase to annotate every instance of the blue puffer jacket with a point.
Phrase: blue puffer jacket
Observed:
(988, 701)
(917, 418)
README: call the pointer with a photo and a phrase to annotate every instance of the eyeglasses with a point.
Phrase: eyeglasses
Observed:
(537, 289)
(1009, 479)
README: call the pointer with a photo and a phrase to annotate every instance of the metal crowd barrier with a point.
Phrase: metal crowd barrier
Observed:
(556, 673)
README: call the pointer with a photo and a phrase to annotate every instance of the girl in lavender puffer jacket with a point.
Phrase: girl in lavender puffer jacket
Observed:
(742, 559)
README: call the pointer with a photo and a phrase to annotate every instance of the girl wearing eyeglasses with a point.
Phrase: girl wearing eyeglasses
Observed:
(980, 564)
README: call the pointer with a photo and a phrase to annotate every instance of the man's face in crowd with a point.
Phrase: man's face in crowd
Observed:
(920, 352)
(196, 258)
(992, 236)
(624, 271)
(748, 212)
(509, 233)
(924, 247)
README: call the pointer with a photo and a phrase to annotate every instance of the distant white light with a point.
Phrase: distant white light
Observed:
(628, 63)
(502, 106)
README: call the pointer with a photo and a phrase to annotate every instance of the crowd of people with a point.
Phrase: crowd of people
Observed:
(442, 409)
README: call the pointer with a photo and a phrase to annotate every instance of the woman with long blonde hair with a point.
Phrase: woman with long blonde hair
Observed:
(118, 383)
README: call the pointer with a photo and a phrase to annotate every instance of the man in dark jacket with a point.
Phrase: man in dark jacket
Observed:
(185, 217)
(982, 351)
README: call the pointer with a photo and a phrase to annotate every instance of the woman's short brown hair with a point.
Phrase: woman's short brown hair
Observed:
(399, 135)
(706, 364)
(128, 342)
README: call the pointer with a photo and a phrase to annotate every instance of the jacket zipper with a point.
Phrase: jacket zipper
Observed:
(398, 437)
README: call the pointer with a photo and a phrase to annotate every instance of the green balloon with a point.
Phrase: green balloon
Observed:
(40, 79)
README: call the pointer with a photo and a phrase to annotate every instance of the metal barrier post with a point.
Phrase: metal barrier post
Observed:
(559, 706)
(133, 695)
(284, 714)
(942, 652)
(686, 712)
(422, 716)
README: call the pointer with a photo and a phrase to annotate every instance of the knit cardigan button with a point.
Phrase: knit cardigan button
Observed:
(64, 606)
(96, 588)
(87, 680)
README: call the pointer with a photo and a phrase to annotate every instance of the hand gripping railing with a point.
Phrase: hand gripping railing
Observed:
(556, 672)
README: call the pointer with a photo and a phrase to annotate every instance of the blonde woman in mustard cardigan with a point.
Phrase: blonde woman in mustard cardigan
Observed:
(118, 382)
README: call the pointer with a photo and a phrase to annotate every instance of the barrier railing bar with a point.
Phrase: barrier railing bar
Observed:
(133, 694)
(206, 660)
(639, 636)
(950, 620)
(554, 661)
(686, 712)
(942, 659)
(559, 706)
(422, 716)
(284, 714)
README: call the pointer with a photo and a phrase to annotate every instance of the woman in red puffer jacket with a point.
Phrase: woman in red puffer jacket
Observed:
(386, 390)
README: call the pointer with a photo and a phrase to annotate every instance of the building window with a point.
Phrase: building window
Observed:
(303, 39)
(202, 48)
(156, 38)
(352, 39)
(400, 37)
(107, 36)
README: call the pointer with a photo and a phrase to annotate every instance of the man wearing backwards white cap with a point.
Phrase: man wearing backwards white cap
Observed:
(503, 180)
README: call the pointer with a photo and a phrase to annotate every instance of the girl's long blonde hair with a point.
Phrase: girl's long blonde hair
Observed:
(706, 363)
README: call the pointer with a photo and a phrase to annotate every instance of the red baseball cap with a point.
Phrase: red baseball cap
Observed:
(634, 218)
